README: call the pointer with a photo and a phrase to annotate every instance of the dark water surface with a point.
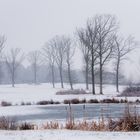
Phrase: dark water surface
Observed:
(90, 111)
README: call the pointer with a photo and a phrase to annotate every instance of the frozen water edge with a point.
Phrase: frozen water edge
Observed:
(67, 135)
(31, 93)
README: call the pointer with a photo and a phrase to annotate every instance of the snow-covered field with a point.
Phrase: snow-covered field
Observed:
(67, 135)
(32, 93)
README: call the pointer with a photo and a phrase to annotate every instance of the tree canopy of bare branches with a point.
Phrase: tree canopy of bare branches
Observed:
(88, 38)
(122, 48)
(49, 54)
(34, 58)
(70, 50)
(60, 47)
(107, 27)
(2, 45)
(13, 60)
(97, 43)
(2, 41)
(86, 53)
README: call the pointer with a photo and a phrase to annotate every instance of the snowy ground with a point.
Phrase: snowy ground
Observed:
(32, 93)
(67, 135)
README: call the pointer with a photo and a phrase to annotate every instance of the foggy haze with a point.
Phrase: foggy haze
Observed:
(28, 24)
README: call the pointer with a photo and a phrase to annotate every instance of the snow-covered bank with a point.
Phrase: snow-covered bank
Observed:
(67, 135)
(32, 93)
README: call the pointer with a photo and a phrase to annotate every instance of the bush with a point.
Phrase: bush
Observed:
(83, 101)
(22, 103)
(72, 101)
(27, 103)
(69, 92)
(93, 101)
(137, 101)
(47, 102)
(110, 101)
(75, 101)
(51, 102)
(129, 121)
(7, 123)
(56, 102)
(43, 103)
(130, 92)
(67, 101)
(123, 101)
(4, 103)
(26, 126)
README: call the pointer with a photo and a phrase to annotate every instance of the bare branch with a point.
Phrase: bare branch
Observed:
(13, 60)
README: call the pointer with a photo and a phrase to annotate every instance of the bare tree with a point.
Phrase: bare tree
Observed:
(2, 45)
(91, 33)
(122, 48)
(107, 26)
(13, 60)
(70, 50)
(49, 53)
(88, 36)
(86, 53)
(34, 58)
(60, 46)
(2, 41)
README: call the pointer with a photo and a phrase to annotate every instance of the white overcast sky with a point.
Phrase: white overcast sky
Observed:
(28, 24)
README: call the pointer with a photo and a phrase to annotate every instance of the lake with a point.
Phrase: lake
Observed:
(61, 112)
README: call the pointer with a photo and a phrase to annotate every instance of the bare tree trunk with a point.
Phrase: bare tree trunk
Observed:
(87, 87)
(13, 79)
(13, 60)
(122, 48)
(2, 42)
(69, 75)
(61, 76)
(92, 73)
(101, 70)
(35, 72)
(50, 56)
(117, 76)
(93, 80)
(52, 68)
(101, 79)
(34, 59)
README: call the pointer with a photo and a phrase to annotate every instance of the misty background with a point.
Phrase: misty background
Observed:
(28, 24)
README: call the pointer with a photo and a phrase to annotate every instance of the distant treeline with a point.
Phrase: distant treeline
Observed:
(25, 75)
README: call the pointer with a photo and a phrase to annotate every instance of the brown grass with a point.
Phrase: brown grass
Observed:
(51, 125)
(7, 123)
(130, 121)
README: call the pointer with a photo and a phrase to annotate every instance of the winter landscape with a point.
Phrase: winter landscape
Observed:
(69, 69)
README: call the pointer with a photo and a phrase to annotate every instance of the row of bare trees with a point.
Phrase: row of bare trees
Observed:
(60, 51)
(99, 42)
(14, 58)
